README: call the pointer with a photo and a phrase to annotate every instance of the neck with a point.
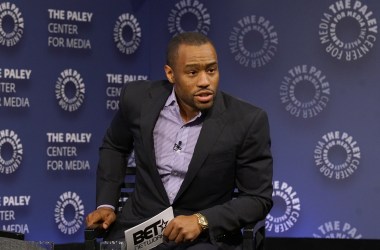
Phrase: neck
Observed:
(187, 115)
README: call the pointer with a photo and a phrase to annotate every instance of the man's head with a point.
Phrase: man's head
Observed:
(187, 38)
(192, 67)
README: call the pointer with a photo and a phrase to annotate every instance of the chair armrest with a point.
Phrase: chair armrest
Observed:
(91, 237)
(254, 236)
(12, 235)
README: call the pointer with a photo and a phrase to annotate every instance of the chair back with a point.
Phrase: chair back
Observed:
(128, 186)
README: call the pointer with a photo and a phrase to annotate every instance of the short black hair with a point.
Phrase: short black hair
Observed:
(188, 38)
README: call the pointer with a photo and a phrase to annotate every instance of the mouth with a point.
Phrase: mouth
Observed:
(204, 95)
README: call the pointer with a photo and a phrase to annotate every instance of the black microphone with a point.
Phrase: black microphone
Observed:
(177, 147)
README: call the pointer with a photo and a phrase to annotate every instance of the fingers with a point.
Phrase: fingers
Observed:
(174, 233)
(179, 238)
(93, 220)
(109, 219)
(182, 229)
(102, 217)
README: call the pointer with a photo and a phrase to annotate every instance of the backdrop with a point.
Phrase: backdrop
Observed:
(312, 65)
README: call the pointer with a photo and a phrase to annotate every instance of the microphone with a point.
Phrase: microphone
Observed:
(177, 147)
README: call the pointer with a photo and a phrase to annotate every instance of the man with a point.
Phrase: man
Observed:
(193, 145)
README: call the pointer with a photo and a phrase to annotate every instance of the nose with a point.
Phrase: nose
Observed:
(203, 80)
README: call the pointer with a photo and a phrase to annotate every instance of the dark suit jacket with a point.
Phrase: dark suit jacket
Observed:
(233, 150)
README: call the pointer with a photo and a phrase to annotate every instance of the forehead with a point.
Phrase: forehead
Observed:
(196, 54)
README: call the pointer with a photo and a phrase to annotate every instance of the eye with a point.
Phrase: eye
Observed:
(211, 70)
(192, 72)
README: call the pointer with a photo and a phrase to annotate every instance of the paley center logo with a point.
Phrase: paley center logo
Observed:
(253, 41)
(305, 91)
(337, 155)
(70, 90)
(348, 30)
(11, 24)
(11, 151)
(127, 33)
(69, 223)
(189, 15)
(337, 230)
(286, 210)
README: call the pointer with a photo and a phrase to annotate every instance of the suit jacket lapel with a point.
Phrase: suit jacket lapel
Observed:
(150, 111)
(211, 128)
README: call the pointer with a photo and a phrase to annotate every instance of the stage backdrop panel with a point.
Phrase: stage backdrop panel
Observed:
(312, 65)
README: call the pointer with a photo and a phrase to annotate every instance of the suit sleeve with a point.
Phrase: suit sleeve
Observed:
(116, 147)
(253, 179)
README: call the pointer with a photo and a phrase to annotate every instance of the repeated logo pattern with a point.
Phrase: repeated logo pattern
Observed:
(311, 65)
(328, 155)
(127, 23)
(67, 223)
(11, 151)
(288, 214)
(10, 36)
(343, 46)
(190, 15)
(304, 91)
(260, 49)
(70, 101)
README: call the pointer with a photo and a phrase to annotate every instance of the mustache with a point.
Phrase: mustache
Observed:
(204, 92)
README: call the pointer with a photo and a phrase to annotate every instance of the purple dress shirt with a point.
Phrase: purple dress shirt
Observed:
(174, 143)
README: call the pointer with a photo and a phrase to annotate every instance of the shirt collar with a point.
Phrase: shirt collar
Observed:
(172, 100)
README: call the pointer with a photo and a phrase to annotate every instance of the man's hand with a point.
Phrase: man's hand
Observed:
(102, 217)
(183, 228)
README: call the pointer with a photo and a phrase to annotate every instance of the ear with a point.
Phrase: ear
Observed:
(169, 73)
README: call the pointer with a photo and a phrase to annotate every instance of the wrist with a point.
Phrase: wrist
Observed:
(106, 206)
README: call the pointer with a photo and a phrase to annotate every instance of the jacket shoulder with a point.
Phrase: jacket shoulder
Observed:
(237, 105)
